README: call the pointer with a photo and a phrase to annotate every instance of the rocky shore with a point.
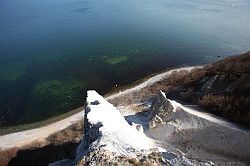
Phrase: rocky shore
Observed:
(170, 109)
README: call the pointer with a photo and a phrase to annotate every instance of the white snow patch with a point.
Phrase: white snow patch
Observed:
(117, 135)
(204, 115)
(173, 105)
(163, 94)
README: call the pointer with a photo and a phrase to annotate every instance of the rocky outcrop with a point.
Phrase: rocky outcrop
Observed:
(110, 140)
(103, 157)
(160, 111)
(197, 134)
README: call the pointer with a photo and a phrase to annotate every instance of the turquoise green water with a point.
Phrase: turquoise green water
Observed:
(51, 52)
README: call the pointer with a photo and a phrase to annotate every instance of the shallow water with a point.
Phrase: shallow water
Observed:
(51, 52)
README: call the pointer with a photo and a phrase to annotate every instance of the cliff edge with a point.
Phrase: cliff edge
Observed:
(111, 140)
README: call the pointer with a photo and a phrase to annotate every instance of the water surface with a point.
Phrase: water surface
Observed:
(52, 51)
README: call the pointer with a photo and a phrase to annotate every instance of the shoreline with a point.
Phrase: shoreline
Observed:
(151, 80)
(23, 127)
(22, 138)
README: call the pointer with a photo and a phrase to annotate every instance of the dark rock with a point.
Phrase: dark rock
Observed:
(160, 111)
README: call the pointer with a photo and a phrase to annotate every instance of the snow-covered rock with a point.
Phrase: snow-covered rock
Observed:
(161, 110)
(105, 127)
(110, 139)
(197, 134)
